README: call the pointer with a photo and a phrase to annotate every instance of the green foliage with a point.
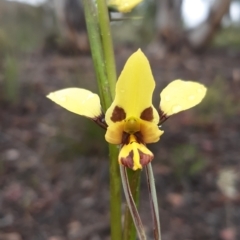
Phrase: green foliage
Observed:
(11, 83)
(22, 27)
(4, 43)
(215, 105)
(21, 31)
(187, 161)
(228, 37)
(83, 138)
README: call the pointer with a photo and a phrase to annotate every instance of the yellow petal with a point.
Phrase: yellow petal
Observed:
(134, 91)
(77, 100)
(150, 132)
(134, 155)
(114, 133)
(181, 95)
(123, 6)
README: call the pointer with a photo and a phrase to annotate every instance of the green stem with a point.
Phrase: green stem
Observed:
(104, 64)
(129, 230)
(115, 180)
(104, 23)
(115, 194)
(97, 52)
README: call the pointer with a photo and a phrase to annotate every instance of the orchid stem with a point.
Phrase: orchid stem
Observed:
(109, 61)
(104, 23)
(104, 65)
(115, 194)
(129, 228)
(95, 41)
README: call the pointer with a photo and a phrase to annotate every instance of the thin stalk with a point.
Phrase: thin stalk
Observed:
(153, 202)
(129, 230)
(104, 23)
(115, 194)
(109, 61)
(132, 208)
(106, 88)
(94, 37)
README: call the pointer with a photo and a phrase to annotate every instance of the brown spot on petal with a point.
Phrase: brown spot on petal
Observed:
(163, 117)
(100, 120)
(145, 158)
(118, 114)
(125, 138)
(147, 114)
(139, 137)
(128, 161)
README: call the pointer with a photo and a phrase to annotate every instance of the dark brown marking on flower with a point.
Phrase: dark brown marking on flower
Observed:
(100, 120)
(128, 161)
(139, 137)
(145, 158)
(125, 138)
(147, 114)
(118, 114)
(162, 117)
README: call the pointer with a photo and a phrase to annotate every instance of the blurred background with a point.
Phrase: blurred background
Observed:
(54, 181)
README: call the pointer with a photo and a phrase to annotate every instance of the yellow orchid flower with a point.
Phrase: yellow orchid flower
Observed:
(123, 6)
(131, 120)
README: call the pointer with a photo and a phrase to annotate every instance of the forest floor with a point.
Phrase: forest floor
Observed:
(54, 180)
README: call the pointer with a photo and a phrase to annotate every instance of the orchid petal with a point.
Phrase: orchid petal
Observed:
(134, 91)
(150, 132)
(134, 155)
(78, 100)
(181, 95)
(114, 133)
(123, 6)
